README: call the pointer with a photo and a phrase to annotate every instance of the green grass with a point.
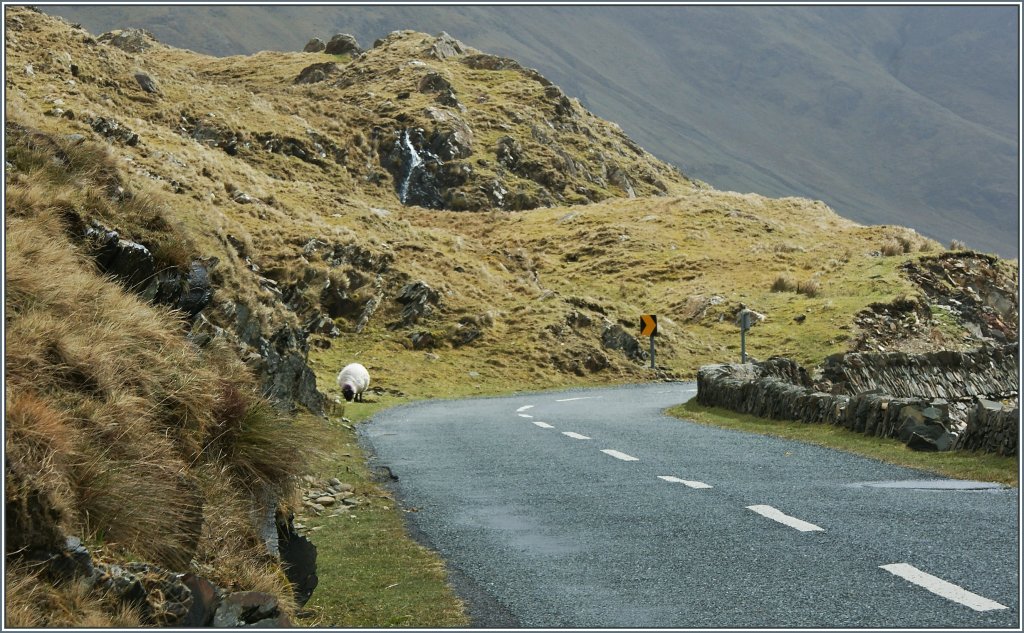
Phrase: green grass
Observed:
(957, 464)
(372, 574)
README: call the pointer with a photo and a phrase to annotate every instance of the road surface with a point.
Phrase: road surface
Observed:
(591, 508)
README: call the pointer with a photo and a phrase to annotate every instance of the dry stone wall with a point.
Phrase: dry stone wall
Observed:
(921, 409)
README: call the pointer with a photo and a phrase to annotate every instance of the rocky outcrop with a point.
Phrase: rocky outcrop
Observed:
(129, 40)
(615, 337)
(418, 300)
(134, 265)
(164, 598)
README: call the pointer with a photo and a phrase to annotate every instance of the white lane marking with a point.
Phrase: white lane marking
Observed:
(575, 436)
(689, 484)
(543, 425)
(942, 588)
(524, 408)
(580, 398)
(785, 519)
(618, 455)
(525, 415)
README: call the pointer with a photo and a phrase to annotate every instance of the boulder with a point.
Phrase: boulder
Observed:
(343, 44)
(146, 83)
(315, 45)
(445, 46)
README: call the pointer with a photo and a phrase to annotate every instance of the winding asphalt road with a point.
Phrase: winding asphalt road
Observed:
(591, 508)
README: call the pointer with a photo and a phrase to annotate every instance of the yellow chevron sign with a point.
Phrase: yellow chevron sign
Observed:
(648, 324)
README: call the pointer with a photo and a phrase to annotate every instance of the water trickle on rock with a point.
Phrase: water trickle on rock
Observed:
(411, 162)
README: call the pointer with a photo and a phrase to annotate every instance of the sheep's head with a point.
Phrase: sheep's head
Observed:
(348, 392)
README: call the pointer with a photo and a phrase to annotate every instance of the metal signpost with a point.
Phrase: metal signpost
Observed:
(649, 327)
(744, 326)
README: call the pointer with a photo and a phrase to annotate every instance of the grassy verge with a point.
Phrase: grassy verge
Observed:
(958, 465)
(372, 574)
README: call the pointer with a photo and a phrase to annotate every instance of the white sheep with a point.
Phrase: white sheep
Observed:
(353, 380)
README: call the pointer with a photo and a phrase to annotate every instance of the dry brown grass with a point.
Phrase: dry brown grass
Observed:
(111, 410)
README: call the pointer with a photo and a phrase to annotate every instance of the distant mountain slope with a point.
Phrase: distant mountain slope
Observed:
(892, 115)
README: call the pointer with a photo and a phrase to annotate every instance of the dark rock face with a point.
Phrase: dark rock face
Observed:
(298, 557)
(146, 83)
(418, 300)
(615, 337)
(343, 44)
(133, 265)
(205, 598)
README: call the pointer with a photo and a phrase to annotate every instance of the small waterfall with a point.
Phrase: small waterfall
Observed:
(413, 163)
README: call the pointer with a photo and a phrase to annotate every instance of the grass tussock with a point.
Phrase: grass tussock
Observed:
(117, 429)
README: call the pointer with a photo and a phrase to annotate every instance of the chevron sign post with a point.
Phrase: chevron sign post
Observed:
(649, 327)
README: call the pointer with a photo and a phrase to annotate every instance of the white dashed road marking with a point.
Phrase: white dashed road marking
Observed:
(942, 588)
(689, 484)
(524, 408)
(785, 519)
(618, 455)
(575, 436)
(524, 415)
(543, 425)
(580, 398)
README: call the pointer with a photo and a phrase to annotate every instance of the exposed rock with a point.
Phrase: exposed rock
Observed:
(112, 130)
(422, 340)
(418, 300)
(434, 82)
(134, 265)
(298, 557)
(212, 134)
(146, 83)
(509, 152)
(615, 337)
(315, 45)
(129, 40)
(343, 44)
(315, 73)
(446, 46)
(249, 609)
(206, 598)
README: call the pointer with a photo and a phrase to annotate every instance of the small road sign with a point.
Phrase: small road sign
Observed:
(648, 324)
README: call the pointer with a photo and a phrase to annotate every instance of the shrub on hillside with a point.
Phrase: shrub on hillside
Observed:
(783, 283)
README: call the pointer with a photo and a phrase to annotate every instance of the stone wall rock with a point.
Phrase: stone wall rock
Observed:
(920, 414)
(988, 371)
(992, 428)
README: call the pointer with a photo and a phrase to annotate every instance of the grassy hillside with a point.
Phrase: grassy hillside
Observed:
(289, 194)
(892, 115)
